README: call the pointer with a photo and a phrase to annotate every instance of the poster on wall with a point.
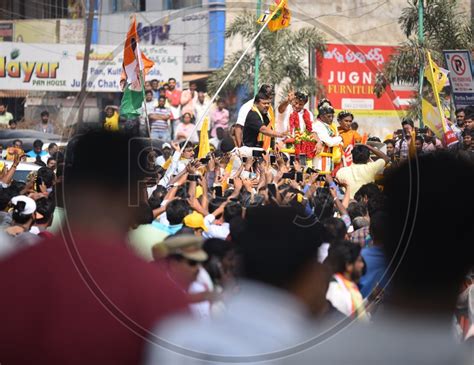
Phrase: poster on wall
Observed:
(58, 67)
(348, 74)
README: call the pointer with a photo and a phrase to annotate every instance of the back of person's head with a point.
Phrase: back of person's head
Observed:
(341, 254)
(359, 222)
(176, 210)
(38, 143)
(356, 209)
(323, 204)
(431, 255)
(268, 90)
(227, 144)
(366, 191)
(46, 175)
(231, 211)
(376, 203)
(335, 230)
(360, 155)
(45, 207)
(143, 214)
(6, 194)
(274, 249)
(215, 203)
(378, 226)
(156, 197)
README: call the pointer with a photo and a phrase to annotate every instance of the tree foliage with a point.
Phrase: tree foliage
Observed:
(445, 27)
(283, 54)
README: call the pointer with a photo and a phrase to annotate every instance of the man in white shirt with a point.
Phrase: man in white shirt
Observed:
(5, 116)
(362, 171)
(245, 109)
(200, 107)
(295, 103)
(218, 223)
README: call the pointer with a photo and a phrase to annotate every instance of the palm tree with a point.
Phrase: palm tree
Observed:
(445, 27)
(282, 56)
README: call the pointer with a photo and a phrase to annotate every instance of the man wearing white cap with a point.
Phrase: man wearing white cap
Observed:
(166, 154)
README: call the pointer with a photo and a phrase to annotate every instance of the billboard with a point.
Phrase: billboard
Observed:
(348, 74)
(58, 67)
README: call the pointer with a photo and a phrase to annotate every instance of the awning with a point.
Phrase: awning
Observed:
(195, 77)
(13, 93)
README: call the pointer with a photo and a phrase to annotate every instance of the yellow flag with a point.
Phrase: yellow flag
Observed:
(431, 118)
(267, 140)
(204, 147)
(280, 14)
(432, 73)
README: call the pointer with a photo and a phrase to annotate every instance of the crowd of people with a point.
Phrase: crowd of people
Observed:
(284, 230)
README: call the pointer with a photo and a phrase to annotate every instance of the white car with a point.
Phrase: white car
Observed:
(23, 169)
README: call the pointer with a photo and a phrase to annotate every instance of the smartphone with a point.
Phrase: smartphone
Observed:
(193, 177)
(258, 153)
(273, 159)
(289, 175)
(309, 170)
(272, 190)
(218, 190)
(204, 160)
(292, 160)
(321, 178)
(302, 159)
(299, 177)
(231, 181)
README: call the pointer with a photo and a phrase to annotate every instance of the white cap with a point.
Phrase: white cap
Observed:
(165, 145)
(30, 205)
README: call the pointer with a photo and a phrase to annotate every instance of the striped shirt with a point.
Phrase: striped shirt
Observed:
(160, 125)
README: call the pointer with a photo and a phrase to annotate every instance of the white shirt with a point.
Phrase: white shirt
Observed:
(243, 111)
(284, 119)
(215, 230)
(321, 130)
(199, 110)
(203, 283)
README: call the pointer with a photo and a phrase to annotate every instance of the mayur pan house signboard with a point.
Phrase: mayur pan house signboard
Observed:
(58, 67)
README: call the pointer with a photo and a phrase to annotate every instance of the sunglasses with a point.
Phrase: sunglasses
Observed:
(191, 262)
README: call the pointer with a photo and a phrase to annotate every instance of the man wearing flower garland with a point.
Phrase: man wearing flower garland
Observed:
(298, 121)
(327, 133)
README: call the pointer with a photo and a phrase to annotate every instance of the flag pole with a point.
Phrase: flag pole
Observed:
(422, 66)
(177, 154)
(257, 55)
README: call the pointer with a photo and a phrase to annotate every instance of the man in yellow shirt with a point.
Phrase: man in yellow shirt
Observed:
(111, 122)
(349, 136)
(362, 171)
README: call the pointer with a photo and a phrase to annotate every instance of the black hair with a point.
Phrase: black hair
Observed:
(17, 140)
(342, 253)
(376, 203)
(157, 196)
(374, 139)
(217, 247)
(148, 92)
(367, 190)
(415, 237)
(231, 211)
(274, 250)
(323, 204)
(322, 102)
(335, 230)
(38, 143)
(360, 154)
(215, 203)
(356, 209)
(171, 79)
(354, 126)
(268, 90)
(227, 144)
(46, 175)
(460, 110)
(408, 121)
(84, 165)
(390, 141)
(50, 159)
(51, 145)
(378, 226)
(45, 207)
(143, 214)
(261, 96)
(343, 114)
(420, 138)
(176, 210)
(6, 194)
(44, 113)
(302, 96)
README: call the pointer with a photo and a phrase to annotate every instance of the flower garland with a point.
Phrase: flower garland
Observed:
(295, 121)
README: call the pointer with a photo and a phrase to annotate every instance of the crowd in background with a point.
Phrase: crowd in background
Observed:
(300, 242)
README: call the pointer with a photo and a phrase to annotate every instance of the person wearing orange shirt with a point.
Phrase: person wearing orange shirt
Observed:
(349, 136)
